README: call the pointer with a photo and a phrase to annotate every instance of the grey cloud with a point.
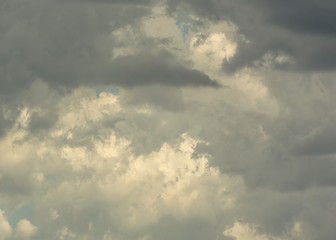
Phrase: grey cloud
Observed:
(56, 41)
(310, 17)
(135, 2)
(168, 98)
(4, 125)
(280, 183)
(8, 115)
(65, 44)
(42, 122)
(319, 141)
(280, 186)
(284, 155)
(303, 30)
(144, 69)
(272, 210)
(278, 209)
(291, 173)
(15, 183)
(292, 156)
(73, 199)
(69, 44)
(283, 186)
(170, 228)
(299, 157)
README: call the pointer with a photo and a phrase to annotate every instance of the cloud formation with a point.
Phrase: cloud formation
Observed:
(64, 43)
(302, 30)
(114, 125)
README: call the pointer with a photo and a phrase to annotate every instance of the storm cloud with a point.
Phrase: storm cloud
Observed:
(167, 120)
(301, 30)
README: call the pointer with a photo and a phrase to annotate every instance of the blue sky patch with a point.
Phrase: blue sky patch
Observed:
(110, 89)
(183, 23)
(24, 212)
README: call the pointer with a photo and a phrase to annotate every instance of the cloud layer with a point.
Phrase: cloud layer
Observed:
(301, 30)
(119, 122)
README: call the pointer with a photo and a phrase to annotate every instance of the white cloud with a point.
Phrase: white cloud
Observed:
(209, 52)
(168, 181)
(158, 162)
(64, 234)
(245, 231)
(25, 229)
(5, 228)
(132, 191)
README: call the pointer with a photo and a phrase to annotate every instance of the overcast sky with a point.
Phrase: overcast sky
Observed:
(167, 120)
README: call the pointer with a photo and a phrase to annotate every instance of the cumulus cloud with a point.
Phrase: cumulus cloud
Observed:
(5, 228)
(145, 69)
(241, 231)
(128, 193)
(65, 44)
(25, 229)
(97, 172)
(167, 120)
(270, 26)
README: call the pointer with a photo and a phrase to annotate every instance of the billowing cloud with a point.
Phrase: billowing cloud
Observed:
(25, 230)
(65, 44)
(5, 228)
(241, 231)
(145, 69)
(167, 120)
(129, 193)
(302, 30)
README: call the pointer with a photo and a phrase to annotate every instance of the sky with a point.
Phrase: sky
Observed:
(169, 119)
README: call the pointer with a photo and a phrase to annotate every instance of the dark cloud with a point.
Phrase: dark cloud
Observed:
(275, 212)
(309, 17)
(320, 141)
(135, 2)
(170, 228)
(291, 151)
(168, 98)
(53, 40)
(163, 69)
(4, 125)
(41, 122)
(66, 45)
(8, 115)
(303, 30)
(116, 166)
(15, 184)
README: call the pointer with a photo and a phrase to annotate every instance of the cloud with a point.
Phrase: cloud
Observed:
(182, 149)
(310, 17)
(134, 2)
(66, 45)
(5, 228)
(168, 98)
(144, 69)
(25, 229)
(130, 193)
(120, 168)
(241, 231)
(272, 27)
(318, 141)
